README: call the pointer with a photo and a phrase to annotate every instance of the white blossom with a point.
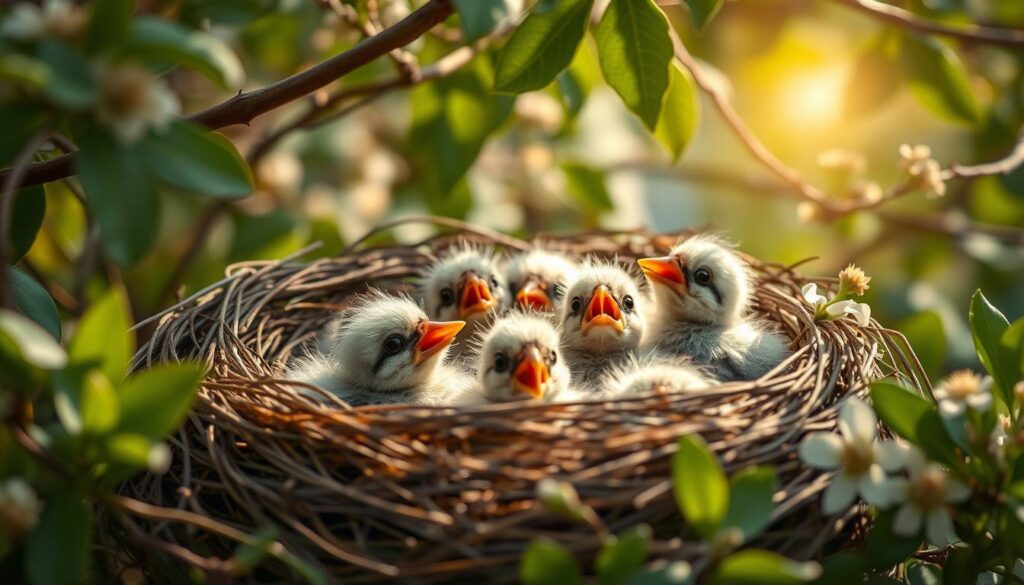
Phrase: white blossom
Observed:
(962, 390)
(859, 461)
(19, 507)
(860, 311)
(925, 496)
(58, 18)
(132, 101)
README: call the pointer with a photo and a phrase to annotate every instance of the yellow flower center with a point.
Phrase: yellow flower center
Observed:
(928, 490)
(855, 459)
(962, 384)
(125, 89)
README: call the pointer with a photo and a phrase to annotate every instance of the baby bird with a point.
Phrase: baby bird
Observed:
(701, 300)
(602, 322)
(655, 375)
(519, 359)
(537, 279)
(383, 350)
(465, 284)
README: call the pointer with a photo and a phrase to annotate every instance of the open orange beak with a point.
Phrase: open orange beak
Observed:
(664, 270)
(602, 311)
(533, 296)
(531, 373)
(476, 296)
(435, 336)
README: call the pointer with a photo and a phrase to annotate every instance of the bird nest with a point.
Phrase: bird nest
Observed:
(433, 493)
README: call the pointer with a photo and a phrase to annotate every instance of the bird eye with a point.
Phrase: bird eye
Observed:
(447, 296)
(500, 363)
(494, 282)
(627, 303)
(557, 291)
(553, 357)
(393, 344)
(577, 305)
(702, 276)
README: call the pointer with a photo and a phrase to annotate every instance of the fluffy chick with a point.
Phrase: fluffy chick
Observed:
(655, 374)
(519, 359)
(538, 279)
(602, 322)
(383, 350)
(701, 303)
(464, 284)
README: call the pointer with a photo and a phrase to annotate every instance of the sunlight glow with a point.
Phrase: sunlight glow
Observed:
(812, 99)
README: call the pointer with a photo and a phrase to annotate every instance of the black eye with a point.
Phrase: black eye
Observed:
(494, 282)
(702, 276)
(627, 303)
(556, 291)
(577, 305)
(500, 363)
(447, 296)
(553, 357)
(393, 344)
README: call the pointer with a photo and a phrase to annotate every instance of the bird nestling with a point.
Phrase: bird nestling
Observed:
(537, 279)
(701, 294)
(602, 322)
(655, 374)
(464, 284)
(519, 359)
(383, 350)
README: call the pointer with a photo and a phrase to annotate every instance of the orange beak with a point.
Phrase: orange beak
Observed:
(664, 270)
(435, 336)
(476, 296)
(531, 373)
(602, 311)
(533, 296)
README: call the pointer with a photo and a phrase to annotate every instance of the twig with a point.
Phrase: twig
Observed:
(195, 243)
(969, 32)
(11, 184)
(243, 107)
(405, 61)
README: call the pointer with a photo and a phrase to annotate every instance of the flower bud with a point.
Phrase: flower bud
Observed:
(560, 497)
(853, 280)
(19, 507)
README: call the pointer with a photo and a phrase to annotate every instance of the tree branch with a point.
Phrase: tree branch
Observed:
(971, 32)
(243, 107)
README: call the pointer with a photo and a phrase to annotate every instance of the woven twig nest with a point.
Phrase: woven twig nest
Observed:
(428, 494)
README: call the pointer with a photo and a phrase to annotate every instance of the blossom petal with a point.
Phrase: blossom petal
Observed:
(838, 309)
(839, 494)
(980, 401)
(810, 293)
(957, 491)
(897, 490)
(821, 450)
(907, 521)
(857, 421)
(874, 486)
(939, 528)
(951, 408)
(891, 455)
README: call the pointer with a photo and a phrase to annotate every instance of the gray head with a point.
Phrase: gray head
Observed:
(661, 375)
(537, 279)
(702, 280)
(603, 310)
(519, 359)
(464, 283)
(385, 342)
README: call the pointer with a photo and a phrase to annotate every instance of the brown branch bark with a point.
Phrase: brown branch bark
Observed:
(904, 18)
(243, 107)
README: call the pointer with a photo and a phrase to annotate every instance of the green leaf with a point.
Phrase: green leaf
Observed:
(129, 449)
(924, 574)
(750, 500)
(938, 80)
(71, 84)
(154, 402)
(27, 72)
(100, 406)
(198, 161)
(623, 555)
(634, 48)
(234, 12)
(680, 114)
(702, 11)
(927, 337)
(266, 236)
(1011, 347)
(21, 121)
(120, 193)
(542, 46)
(250, 554)
(102, 335)
(480, 17)
(58, 549)
(884, 548)
(874, 79)
(759, 567)
(26, 219)
(675, 573)
(573, 85)
(701, 490)
(843, 568)
(546, 562)
(166, 43)
(109, 24)
(67, 395)
(987, 327)
(587, 188)
(960, 566)
(34, 302)
(913, 418)
(34, 345)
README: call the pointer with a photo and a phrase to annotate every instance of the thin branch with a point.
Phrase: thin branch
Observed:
(1003, 166)
(405, 62)
(970, 32)
(243, 107)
